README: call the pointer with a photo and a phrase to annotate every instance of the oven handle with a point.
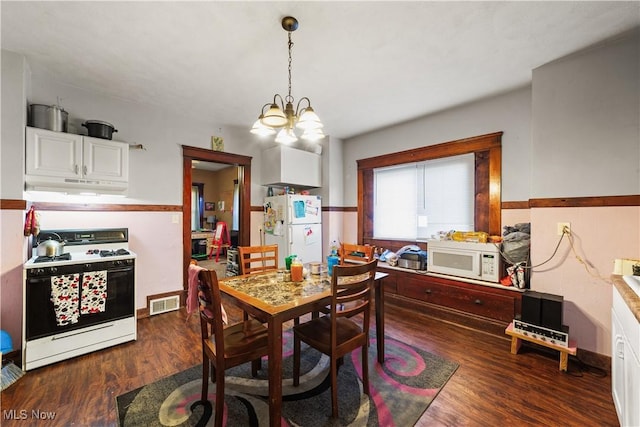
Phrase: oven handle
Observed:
(83, 331)
(120, 269)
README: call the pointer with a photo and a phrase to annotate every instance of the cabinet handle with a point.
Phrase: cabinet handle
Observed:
(76, 168)
(427, 291)
(84, 169)
(478, 302)
(619, 347)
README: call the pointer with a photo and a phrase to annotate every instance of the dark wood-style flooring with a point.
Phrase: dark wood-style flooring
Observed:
(491, 387)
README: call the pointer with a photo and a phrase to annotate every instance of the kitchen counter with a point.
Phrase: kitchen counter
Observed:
(628, 295)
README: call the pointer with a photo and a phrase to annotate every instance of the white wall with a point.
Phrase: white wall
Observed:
(510, 113)
(14, 87)
(585, 132)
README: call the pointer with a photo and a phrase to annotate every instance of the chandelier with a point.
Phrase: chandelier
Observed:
(281, 117)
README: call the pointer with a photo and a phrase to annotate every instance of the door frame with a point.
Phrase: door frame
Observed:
(244, 187)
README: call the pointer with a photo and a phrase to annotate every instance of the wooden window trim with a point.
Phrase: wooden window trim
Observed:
(488, 155)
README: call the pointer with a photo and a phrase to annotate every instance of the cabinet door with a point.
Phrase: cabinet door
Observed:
(105, 160)
(617, 366)
(54, 154)
(631, 387)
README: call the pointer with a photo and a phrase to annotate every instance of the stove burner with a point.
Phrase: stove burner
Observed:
(63, 257)
(105, 253)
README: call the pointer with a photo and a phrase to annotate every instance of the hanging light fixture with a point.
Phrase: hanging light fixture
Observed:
(279, 115)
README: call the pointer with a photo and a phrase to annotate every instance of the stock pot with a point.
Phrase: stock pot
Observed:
(99, 129)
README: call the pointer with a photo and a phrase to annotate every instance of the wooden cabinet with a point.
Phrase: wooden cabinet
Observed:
(478, 302)
(625, 361)
(475, 305)
(58, 161)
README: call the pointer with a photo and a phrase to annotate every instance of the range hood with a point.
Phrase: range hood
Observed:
(286, 166)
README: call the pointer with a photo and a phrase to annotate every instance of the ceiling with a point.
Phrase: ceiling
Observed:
(364, 65)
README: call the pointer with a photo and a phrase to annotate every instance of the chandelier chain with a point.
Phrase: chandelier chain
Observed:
(289, 97)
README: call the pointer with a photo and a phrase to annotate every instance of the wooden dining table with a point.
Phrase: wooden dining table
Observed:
(273, 299)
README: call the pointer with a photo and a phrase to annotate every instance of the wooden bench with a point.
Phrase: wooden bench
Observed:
(516, 342)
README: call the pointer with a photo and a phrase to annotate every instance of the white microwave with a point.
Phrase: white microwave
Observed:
(480, 261)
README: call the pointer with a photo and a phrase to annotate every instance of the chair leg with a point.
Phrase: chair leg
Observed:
(365, 369)
(205, 379)
(334, 387)
(256, 365)
(296, 360)
(219, 407)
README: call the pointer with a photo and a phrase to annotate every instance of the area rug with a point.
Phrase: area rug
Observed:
(400, 391)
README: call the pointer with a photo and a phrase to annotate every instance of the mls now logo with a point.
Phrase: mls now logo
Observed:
(23, 414)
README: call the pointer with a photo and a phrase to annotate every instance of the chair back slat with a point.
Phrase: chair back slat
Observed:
(352, 289)
(257, 259)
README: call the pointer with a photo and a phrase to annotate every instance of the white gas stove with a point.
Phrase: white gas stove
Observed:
(80, 301)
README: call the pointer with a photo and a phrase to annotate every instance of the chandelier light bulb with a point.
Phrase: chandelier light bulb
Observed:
(286, 136)
(260, 129)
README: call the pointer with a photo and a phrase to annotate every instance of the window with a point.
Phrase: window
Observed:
(407, 196)
(417, 200)
(235, 221)
(197, 206)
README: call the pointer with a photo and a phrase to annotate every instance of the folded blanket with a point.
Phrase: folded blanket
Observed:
(192, 291)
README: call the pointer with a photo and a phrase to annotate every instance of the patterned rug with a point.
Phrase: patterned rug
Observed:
(400, 391)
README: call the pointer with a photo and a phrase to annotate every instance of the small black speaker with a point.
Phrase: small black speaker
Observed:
(542, 309)
(552, 312)
(531, 308)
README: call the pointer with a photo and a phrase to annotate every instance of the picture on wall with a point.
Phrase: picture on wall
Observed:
(221, 205)
(209, 206)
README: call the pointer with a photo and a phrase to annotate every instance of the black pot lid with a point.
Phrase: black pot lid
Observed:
(98, 122)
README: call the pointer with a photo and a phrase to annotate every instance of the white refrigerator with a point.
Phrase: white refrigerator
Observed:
(294, 223)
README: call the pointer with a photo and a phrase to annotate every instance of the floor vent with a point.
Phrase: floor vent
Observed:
(162, 305)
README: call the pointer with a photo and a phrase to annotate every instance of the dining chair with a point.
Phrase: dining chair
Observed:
(338, 334)
(225, 347)
(257, 259)
(356, 253)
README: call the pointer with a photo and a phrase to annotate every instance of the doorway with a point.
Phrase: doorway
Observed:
(243, 163)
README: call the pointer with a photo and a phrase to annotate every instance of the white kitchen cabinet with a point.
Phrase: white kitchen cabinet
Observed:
(287, 166)
(625, 362)
(58, 161)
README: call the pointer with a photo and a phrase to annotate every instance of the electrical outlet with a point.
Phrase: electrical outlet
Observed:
(175, 219)
(562, 226)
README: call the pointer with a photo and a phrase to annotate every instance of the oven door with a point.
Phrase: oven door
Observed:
(40, 315)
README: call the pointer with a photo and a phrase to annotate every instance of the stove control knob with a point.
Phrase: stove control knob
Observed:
(119, 262)
(38, 272)
(87, 266)
(53, 270)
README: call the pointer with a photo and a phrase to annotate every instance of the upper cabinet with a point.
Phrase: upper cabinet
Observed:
(282, 165)
(58, 161)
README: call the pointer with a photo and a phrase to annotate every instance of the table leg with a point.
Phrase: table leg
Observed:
(380, 319)
(275, 371)
(515, 345)
(564, 361)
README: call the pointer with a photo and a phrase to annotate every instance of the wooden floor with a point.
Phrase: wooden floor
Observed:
(491, 387)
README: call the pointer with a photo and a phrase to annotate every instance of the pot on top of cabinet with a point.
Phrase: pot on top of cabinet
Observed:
(99, 129)
(52, 117)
